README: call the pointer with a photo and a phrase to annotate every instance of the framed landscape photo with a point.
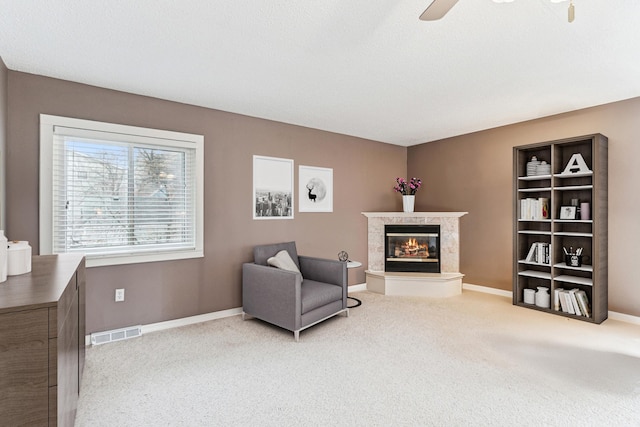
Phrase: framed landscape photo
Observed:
(272, 188)
(315, 189)
(568, 212)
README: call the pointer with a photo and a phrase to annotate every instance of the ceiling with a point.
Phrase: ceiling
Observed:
(359, 67)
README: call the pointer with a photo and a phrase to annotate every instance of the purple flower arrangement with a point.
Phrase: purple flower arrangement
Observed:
(407, 188)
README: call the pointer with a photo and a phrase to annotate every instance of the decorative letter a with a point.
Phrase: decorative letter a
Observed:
(576, 164)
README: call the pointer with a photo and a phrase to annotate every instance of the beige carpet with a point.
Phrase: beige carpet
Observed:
(468, 360)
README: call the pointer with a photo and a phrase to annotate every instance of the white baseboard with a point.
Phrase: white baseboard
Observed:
(624, 317)
(357, 288)
(487, 290)
(160, 326)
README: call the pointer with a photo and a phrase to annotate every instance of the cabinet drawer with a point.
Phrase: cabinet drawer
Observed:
(24, 349)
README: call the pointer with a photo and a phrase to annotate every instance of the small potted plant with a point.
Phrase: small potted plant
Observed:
(408, 189)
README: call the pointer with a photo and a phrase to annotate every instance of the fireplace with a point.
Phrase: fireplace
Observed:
(446, 283)
(412, 248)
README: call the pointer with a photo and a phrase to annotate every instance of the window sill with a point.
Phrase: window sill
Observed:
(102, 261)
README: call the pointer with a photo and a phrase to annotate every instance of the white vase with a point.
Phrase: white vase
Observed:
(543, 298)
(3, 256)
(408, 203)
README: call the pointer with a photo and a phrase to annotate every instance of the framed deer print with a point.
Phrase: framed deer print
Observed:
(315, 189)
(272, 188)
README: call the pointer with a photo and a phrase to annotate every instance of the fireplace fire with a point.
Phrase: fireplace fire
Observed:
(412, 248)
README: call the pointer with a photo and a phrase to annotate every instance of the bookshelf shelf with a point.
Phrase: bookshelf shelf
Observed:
(574, 187)
(524, 261)
(584, 267)
(578, 175)
(536, 274)
(534, 178)
(573, 234)
(542, 233)
(573, 175)
(574, 279)
(534, 189)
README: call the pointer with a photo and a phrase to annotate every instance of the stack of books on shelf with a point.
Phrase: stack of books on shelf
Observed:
(539, 253)
(534, 209)
(574, 301)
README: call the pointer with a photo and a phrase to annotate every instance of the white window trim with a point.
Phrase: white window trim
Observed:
(47, 124)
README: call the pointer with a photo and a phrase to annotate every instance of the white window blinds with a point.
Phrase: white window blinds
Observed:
(117, 194)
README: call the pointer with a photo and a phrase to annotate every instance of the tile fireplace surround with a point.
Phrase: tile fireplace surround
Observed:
(446, 283)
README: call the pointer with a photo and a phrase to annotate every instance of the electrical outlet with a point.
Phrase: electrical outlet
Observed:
(119, 295)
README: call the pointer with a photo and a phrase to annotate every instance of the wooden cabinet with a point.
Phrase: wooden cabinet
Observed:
(560, 208)
(42, 329)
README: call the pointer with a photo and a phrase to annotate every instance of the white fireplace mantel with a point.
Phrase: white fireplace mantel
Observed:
(414, 214)
(383, 282)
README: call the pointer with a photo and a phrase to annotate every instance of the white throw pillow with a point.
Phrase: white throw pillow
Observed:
(283, 260)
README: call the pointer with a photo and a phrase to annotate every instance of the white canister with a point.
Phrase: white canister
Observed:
(3, 257)
(542, 297)
(19, 258)
(529, 296)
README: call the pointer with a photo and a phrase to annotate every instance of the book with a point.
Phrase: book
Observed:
(547, 253)
(543, 209)
(534, 209)
(531, 256)
(539, 253)
(565, 302)
(556, 299)
(523, 209)
(574, 301)
(583, 301)
(561, 301)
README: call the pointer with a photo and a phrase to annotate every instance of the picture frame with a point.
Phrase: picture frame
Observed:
(568, 212)
(273, 196)
(315, 189)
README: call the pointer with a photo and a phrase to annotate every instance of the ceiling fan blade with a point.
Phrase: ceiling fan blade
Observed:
(437, 9)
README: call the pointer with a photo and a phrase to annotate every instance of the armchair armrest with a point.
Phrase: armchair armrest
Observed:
(324, 270)
(272, 294)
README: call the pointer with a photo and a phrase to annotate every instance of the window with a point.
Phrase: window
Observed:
(119, 194)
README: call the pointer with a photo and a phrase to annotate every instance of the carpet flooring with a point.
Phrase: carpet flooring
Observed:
(470, 360)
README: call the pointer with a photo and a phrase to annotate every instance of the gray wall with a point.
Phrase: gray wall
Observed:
(475, 173)
(364, 173)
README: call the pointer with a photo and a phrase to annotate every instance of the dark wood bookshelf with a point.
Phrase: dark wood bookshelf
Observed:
(560, 188)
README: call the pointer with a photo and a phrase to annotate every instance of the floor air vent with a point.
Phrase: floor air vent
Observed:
(116, 335)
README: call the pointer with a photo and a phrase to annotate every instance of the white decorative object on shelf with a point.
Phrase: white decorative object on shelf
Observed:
(3, 256)
(543, 168)
(532, 166)
(543, 298)
(585, 211)
(529, 296)
(576, 165)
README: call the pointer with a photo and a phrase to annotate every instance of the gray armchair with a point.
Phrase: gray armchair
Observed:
(287, 299)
